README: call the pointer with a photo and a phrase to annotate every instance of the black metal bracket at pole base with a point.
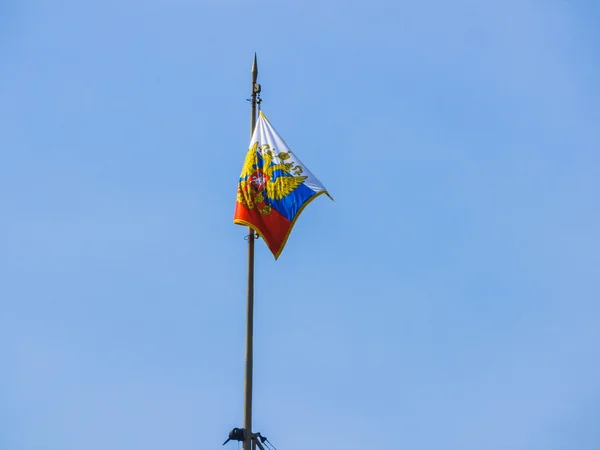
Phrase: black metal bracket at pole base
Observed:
(240, 434)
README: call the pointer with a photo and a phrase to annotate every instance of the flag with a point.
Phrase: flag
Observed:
(274, 187)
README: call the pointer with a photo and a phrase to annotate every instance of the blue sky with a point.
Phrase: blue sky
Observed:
(448, 298)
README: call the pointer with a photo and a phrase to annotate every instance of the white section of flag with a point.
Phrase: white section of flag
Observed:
(264, 133)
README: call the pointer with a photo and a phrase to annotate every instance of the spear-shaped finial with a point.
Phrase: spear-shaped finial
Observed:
(254, 69)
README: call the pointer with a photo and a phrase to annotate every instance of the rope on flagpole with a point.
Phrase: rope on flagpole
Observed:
(269, 444)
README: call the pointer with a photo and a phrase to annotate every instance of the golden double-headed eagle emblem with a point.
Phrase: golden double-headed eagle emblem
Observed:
(267, 172)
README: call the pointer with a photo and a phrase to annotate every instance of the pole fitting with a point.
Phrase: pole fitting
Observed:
(237, 434)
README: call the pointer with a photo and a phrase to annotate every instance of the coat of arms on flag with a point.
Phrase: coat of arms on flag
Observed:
(274, 187)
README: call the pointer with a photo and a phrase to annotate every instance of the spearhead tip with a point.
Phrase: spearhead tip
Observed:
(254, 69)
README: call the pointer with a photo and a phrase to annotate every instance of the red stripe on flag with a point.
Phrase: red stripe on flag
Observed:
(273, 227)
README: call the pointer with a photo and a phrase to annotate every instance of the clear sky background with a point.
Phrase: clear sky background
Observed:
(447, 300)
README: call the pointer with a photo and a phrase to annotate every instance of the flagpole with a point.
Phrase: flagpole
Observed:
(250, 290)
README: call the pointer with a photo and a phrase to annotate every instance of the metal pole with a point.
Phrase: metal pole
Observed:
(250, 292)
